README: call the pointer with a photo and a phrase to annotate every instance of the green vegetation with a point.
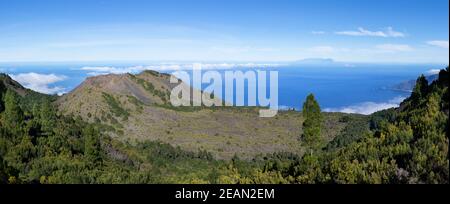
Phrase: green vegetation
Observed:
(115, 106)
(404, 145)
(357, 128)
(137, 103)
(409, 146)
(181, 108)
(72, 151)
(154, 73)
(151, 88)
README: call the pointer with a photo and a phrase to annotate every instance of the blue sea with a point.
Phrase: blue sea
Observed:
(361, 88)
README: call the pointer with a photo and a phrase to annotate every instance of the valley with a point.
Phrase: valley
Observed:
(135, 113)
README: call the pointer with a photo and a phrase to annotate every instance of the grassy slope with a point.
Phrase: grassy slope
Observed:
(221, 131)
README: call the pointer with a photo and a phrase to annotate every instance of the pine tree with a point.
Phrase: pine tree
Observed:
(13, 116)
(91, 143)
(2, 91)
(420, 90)
(47, 117)
(313, 122)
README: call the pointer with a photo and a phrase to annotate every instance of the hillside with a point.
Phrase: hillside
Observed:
(131, 111)
(8, 83)
(27, 97)
(408, 86)
(408, 144)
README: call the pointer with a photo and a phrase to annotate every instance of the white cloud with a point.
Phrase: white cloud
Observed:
(94, 71)
(389, 32)
(394, 48)
(40, 82)
(392, 33)
(433, 71)
(318, 32)
(439, 43)
(367, 108)
(397, 100)
(112, 70)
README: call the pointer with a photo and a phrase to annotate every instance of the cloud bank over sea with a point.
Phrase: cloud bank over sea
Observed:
(369, 107)
(102, 70)
(41, 82)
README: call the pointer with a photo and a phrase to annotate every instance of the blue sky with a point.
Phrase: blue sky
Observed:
(404, 31)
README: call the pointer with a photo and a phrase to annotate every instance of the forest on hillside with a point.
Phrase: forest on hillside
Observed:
(408, 144)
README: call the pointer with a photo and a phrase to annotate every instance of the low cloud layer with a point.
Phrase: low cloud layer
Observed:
(433, 71)
(368, 108)
(94, 71)
(40, 82)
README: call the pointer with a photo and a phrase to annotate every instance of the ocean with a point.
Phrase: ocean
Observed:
(361, 88)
